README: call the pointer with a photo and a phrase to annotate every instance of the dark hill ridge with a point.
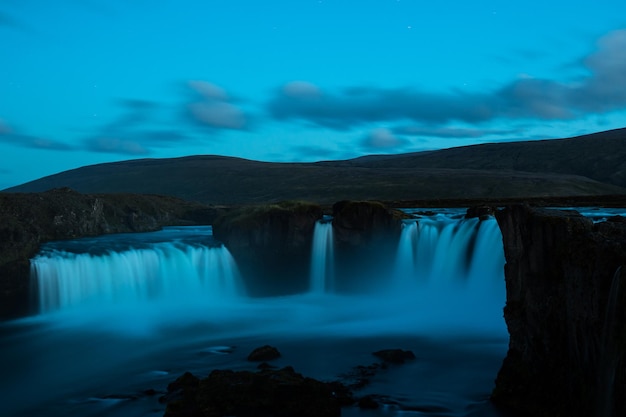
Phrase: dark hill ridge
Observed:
(599, 156)
(588, 165)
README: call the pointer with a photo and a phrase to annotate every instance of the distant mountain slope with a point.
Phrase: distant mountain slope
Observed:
(599, 156)
(484, 171)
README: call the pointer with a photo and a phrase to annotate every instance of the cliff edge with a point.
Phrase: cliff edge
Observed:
(565, 312)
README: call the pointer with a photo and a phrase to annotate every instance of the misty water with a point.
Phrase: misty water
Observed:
(122, 314)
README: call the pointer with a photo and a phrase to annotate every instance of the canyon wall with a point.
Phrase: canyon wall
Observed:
(565, 312)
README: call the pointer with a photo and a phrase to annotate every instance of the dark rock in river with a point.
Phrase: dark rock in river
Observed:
(394, 355)
(358, 223)
(278, 393)
(483, 212)
(27, 220)
(264, 353)
(566, 314)
(271, 243)
(365, 232)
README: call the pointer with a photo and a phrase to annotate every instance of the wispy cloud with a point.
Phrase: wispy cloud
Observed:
(602, 90)
(116, 145)
(7, 21)
(210, 106)
(11, 136)
(128, 134)
(382, 139)
(449, 132)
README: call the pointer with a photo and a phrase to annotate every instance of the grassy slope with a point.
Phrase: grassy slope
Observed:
(600, 156)
(543, 168)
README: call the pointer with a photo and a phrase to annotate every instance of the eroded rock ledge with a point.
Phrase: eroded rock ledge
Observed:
(272, 243)
(566, 314)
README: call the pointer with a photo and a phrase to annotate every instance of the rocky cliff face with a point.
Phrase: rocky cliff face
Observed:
(271, 243)
(365, 233)
(566, 314)
(27, 220)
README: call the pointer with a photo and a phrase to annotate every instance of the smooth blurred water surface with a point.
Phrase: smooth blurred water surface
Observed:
(127, 313)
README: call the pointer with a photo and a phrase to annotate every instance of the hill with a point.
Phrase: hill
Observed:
(582, 166)
(599, 156)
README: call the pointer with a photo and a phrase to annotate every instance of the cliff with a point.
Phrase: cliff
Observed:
(27, 220)
(566, 314)
(272, 243)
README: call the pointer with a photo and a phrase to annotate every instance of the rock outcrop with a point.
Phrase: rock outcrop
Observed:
(27, 220)
(566, 314)
(279, 393)
(365, 232)
(360, 223)
(271, 243)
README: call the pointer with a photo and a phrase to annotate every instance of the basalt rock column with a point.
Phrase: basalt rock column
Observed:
(271, 244)
(365, 232)
(566, 314)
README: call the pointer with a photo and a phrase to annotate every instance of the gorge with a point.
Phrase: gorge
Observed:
(431, 280)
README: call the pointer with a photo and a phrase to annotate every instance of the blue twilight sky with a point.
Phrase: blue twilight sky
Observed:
(90, 81)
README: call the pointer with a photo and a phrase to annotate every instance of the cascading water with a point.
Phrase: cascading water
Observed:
(442, 251)
(322, 257)
(163, 274)
(123, 313)
(450, 264)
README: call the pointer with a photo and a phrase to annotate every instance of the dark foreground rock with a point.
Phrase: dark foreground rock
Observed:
(27, 220)
(264, 353)
(275, 393)
(566, 314)
(394, 355)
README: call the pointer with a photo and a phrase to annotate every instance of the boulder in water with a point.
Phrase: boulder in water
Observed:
(280, 393)
(397, 356)
(271, 243)
(359, 223)
(264, 353)
(483, 212)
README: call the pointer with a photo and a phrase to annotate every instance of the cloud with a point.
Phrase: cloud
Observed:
(208, 90)
(7, 21)
(4, 128)
(211, 107)
(361, 105)
(602, 90)
(382, 139)
(10, 136)
(135, 132)
(115, 145)
(605, 90)
(314, 152)
(217, 114)
(133, 142)
(449, 132)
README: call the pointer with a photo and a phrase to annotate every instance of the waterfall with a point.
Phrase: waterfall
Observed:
(444, 265)
(322, 257)
(440, 251)
(448, 264)
(163, 272)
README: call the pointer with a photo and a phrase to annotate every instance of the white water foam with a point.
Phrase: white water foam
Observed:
(322, 258)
